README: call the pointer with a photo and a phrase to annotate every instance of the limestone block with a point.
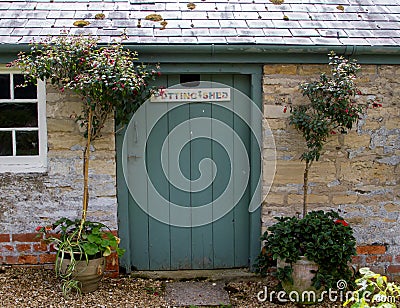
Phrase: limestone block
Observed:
(372, 124)
(62, 125)
(392, 207)
(275, 112)
(52, 96)
(387, 111)
(275, 124)
(103, 167)
(288, 172)
(392, 123)
(344, 199)
(296, 199)
(274, 198)
(367, 172)
(313, 69)
(355, 141)
(280, 69)
(62, 140)
(312, 199)
(368, 70)
(388, 70)
(106, 142)
(269, 96)
(322, 172)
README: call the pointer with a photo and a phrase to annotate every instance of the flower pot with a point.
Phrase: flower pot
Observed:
(301, 290)
(88, 274)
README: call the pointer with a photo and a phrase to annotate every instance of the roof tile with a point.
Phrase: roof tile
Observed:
(182, 40)
(298, 41)
(277, 32)
(212, 39)
(270, 40)
(307, 22)
(304, 32)
(325, 41)
(381, 41)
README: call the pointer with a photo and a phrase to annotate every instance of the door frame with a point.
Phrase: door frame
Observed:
(255, 71)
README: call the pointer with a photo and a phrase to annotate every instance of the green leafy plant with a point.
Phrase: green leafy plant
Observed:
(111, 84)
(333, 108)
(374, 291)
(77, 242)
(322, 237)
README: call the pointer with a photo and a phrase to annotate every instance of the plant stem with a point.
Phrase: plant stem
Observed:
(305, 186)
(85, 202)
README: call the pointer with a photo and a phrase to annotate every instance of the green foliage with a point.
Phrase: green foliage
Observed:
(76, 241)
(374, 291)
(111, 82)
(332, 106)
(109, 79)
(322, 237)
(285, 274)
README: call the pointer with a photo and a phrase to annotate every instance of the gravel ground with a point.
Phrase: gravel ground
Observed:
(35, 287)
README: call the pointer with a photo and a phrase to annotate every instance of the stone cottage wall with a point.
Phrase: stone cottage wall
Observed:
(31, 200)
(358, 174)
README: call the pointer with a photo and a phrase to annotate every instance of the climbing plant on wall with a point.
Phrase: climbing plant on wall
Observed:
(109, 79)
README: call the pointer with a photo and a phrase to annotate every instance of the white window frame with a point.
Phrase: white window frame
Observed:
(27, 163)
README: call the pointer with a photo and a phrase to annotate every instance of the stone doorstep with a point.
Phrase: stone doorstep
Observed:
(197, 287)
(198, 275)
(198, 293)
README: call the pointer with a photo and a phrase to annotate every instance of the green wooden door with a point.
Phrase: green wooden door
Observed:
(208, 164)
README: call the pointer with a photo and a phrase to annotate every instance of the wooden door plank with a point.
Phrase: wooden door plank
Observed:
(181, 237)
(159, 232)
(135, 141)
(241, 228)
(202, 252)
(123, 204)
(223, 236)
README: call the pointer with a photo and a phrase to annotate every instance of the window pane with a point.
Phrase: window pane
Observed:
(5, 86)
(27, 143)
(18, 115)
(5, 144)
(23, 92)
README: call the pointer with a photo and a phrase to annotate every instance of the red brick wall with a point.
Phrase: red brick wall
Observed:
(27, 249)
(377, 258)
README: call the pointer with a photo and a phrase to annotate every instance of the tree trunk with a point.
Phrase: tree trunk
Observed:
(86, 158)
(305, 187)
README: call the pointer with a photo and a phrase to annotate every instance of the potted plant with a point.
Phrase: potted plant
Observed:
(111, 84)
(332, 109)
(81, 251)
(323, 239)
(373, 290)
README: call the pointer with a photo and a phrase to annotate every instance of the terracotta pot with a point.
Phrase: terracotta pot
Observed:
(88, 274)
(302, 274)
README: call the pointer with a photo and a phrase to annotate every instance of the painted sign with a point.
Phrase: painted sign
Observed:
(192, 95)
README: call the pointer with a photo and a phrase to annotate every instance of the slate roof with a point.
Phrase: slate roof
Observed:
(218, 22)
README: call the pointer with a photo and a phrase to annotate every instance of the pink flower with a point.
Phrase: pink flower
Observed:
(38, 228)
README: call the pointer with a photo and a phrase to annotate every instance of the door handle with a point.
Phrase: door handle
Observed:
(134, 156)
